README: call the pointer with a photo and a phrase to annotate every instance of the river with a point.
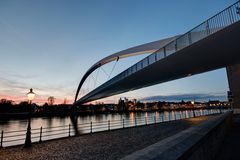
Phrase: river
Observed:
(14, 130)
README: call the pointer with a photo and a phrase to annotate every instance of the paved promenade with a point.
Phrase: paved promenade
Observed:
(105, 145)
(230, 148)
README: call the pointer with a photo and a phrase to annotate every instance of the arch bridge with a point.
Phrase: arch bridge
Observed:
(211, 45)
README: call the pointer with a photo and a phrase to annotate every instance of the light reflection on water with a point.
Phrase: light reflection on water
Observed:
(19, 124)
(99, 122)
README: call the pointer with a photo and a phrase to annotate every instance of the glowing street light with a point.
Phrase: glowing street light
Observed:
(30, 96)
(192, 102)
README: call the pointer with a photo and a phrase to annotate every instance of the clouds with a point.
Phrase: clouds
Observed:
(14, 86)
(187, 97)
(12, 80)
(48, 46)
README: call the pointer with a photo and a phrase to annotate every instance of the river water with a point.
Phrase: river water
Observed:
(14, 130)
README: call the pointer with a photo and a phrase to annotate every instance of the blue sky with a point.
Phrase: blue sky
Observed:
(49, 45)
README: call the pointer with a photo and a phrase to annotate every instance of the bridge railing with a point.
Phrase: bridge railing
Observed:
(223, 19)
(17, 137)
(218, 22)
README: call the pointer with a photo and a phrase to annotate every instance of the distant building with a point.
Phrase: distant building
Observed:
(121, 105)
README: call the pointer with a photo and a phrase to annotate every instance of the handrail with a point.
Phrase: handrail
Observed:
(11, 138)
(198, 26)
(219, 21)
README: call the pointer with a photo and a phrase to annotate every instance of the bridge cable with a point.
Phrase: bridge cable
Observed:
(105, 72)
(85, 88)
(113, 68)
(109, 75)
(96, 78)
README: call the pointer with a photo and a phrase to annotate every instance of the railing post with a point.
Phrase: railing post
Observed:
(146, 120)
(155, 120)
(2, 139)
(40, 139)
(169, 119)
(189, 38)
(91, 127)
(207, 27)
(237, 10)
(180, 114)
(135, 121)
(194, 114)
(123, 122)
(175, 117)
(230, 15)
(69, 130)
(164, 51)
(109, 125)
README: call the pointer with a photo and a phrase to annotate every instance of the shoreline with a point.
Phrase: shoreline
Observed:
(102, 145)
(24, 115)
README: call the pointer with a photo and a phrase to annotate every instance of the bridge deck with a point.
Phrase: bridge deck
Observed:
(214, 52)
(211, 45)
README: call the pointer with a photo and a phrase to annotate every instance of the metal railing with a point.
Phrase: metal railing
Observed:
(223, 19)
(214, 24)
(17, 137)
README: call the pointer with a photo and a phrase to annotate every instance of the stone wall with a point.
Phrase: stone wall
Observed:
(210, 143)
(201, 142)
(233, 73)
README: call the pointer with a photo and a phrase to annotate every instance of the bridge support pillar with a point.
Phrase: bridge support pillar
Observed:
(233, 73)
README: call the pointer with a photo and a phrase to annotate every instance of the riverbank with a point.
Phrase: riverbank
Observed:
(104, 145)
(24, 115)
(230, 147)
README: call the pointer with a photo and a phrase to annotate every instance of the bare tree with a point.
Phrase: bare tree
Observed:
(51, 100)
(65, 101)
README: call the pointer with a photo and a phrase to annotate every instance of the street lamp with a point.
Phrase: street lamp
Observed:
(193, 102)
(30, 96)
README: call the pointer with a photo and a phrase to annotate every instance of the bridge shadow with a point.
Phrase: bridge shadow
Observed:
(74, 121)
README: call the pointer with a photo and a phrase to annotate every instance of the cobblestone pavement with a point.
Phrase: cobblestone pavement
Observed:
(104, 145)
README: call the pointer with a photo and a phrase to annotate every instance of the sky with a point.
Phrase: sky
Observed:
(48, 45)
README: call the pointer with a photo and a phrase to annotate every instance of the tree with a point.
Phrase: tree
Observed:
(24, 106)
(45, 107)
(65, 101)
(5, 105)
(51, 100)
(5, 102)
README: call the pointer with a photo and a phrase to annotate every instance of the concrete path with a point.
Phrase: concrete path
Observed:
(105, 145)
(230, 149)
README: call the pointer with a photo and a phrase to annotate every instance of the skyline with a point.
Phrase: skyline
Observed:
(48, 46)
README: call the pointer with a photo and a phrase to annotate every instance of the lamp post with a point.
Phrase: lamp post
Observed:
(30, 96)
(193, 102)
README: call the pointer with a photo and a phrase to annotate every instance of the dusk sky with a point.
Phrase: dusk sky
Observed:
(48, 45)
